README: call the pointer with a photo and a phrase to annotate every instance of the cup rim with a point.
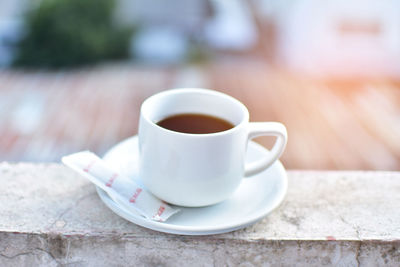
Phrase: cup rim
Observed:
(244, 110)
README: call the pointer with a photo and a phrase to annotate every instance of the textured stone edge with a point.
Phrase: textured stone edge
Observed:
(116, 248)
(23, 249)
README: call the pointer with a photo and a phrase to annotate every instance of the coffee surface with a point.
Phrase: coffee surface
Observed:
(195, 123)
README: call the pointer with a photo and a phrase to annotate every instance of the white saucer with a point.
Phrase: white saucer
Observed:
(255, 198)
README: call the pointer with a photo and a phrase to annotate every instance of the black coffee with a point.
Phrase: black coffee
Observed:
(195, 124)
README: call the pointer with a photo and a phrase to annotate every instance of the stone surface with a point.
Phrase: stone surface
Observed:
(51, 216)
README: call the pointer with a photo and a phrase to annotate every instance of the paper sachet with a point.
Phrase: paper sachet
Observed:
(121, 189)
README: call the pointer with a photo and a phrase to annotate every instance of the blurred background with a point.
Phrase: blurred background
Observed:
(73, 73)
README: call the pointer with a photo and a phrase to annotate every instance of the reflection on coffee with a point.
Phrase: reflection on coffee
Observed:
(195, 124)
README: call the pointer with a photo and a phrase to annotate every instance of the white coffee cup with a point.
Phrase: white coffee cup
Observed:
(196, 170)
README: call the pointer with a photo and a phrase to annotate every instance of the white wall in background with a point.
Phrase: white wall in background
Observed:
(159, 45)
(340, 38)
(185, 15)
(232, 27)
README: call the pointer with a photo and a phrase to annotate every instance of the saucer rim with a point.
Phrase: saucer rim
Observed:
(196, 230)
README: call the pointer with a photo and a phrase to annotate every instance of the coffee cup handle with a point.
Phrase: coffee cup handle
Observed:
(266, 128)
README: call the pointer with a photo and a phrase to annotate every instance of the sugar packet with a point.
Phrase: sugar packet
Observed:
(121, 189)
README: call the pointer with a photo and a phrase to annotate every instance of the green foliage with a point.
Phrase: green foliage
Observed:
(66, 33)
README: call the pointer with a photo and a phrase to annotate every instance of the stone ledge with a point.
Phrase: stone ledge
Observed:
(50, 216)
